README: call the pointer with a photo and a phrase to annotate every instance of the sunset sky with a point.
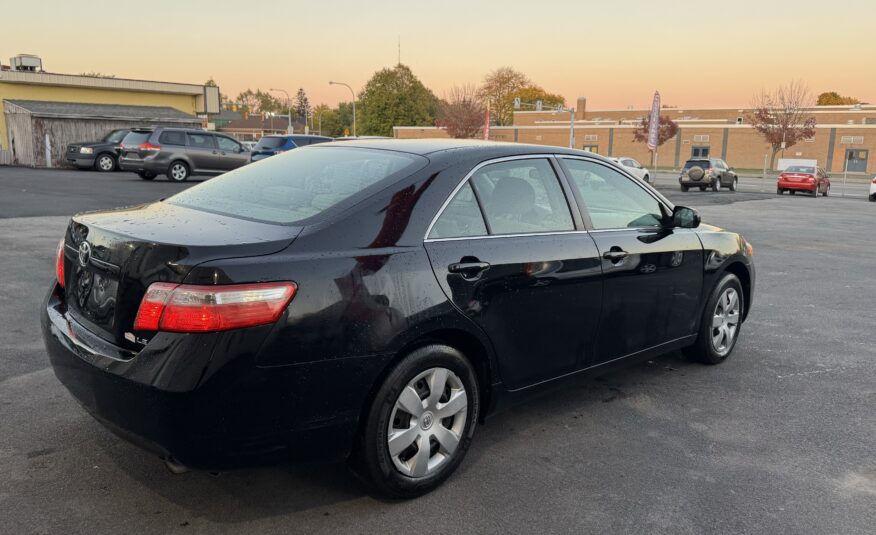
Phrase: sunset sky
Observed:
(616, 53)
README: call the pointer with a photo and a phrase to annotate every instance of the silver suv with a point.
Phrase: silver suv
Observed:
(705, 173)
(179, 153)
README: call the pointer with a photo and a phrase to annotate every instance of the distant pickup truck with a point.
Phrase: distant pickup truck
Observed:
(100, 155)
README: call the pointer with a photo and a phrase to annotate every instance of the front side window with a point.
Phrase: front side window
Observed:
(613, 200)
(522, 197)
(461, 218)
(201, 141)
(301, 184)
(227, 144)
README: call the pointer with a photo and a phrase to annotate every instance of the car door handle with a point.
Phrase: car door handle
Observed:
(615, 254)
(468, 269)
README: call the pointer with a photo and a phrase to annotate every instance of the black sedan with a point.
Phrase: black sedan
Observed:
(374, 300)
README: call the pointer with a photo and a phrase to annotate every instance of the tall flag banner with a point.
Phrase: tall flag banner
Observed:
(487, 124)
(654, 122)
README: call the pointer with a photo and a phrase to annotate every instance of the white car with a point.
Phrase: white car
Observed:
(634, 167)
(873, 190)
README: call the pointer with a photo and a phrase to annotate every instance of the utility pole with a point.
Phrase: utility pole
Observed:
(354, 102)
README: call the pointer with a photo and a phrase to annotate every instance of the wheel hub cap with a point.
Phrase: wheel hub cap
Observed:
(725, 321)
(427, 422)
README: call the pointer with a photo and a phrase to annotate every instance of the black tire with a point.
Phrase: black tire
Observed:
(704, 349)
(647, 179)
(684, 188)
(702, 188)
(734, 186)
(371, 456)
(779, 191)
(792, 192)
(873, 198)
(716, 184)
(146, 175)
(826, 191)
(178, 171)
(105, 163)
(815, 192)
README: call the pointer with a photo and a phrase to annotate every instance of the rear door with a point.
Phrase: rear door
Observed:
(653, 275)
(231, 153)
(202, 152)
(509, 254)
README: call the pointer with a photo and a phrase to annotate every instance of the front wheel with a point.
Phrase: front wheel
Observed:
(105, 163)
(420, 423)
(721, 321)
(178, 171)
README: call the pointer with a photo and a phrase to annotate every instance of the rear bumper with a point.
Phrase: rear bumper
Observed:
(126, 164)
(174, 400)
(705, 181)
(797, 186)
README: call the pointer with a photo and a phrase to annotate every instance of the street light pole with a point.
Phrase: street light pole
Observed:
(354, 102)
(289, 130)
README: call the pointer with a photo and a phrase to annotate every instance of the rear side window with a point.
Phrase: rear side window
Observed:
(522, 197)
(201, 141)
(170, 137)
(270, 142)
(299, 184)
(461, 218)
(136, 138)
(696, 163)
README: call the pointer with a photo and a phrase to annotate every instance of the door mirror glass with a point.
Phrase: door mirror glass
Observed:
(684, 217)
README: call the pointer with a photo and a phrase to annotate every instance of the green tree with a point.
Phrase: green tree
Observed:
(302, 104)
(394, 97)
(211, 82)
(498, 90)
(832, 98)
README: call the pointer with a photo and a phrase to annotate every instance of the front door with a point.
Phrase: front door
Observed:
(510, 257)
(653, 275)
(231, 153)
(856, 160)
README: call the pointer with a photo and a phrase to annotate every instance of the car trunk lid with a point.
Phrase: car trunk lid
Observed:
(113, 256)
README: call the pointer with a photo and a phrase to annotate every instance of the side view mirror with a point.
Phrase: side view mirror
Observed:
(684, 217)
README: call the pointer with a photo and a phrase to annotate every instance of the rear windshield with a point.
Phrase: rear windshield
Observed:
(800, 169)
(696, 163)
(135, 138)
(270, 143)
(298, 184)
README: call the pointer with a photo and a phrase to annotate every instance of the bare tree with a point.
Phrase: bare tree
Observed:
(461, 112)
(781, 117)
(667, 130)
(497, 91)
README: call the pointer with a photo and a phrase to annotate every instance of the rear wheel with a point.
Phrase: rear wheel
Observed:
(792, 192)
(721, 321)
(146, 175)
(873, 197)
(684, 188)
(647, 179)
(716, 185)
(105, 163)
(702, 188)
(815, 192)
(826, 191)
(420, 423)
(735, 184)
(178, 171)
(779, 191)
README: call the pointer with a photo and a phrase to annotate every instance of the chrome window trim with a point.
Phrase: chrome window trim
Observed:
(492, 236)
(545, 156)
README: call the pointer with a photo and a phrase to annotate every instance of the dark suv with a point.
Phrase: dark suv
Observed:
(100, 155)
(708, 172)
(179, 153)
(271, 145)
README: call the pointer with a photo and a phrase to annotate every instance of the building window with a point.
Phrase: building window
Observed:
(740, 120)
(852, 140)
(699, 152)
(591, 148)
(701, 138)
(591, 137)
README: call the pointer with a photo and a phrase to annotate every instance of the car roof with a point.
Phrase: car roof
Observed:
(425, 147)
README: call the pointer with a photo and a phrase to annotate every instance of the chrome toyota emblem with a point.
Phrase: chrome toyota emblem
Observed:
(426, 420)
(84, 253)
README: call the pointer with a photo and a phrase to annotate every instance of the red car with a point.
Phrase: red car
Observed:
(796, 178)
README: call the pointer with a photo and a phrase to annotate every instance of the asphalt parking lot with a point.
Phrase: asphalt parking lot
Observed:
(778, 439)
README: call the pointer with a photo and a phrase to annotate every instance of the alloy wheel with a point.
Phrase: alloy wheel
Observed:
(427, 422)
(178, 171)
(725, 321)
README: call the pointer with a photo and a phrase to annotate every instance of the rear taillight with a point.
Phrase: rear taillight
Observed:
(59, 264)
(874, 181)
(149, 147)
(187, 308)
(710, 170)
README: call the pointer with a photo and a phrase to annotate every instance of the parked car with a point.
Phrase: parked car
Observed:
(249, 145)
(806, 178)
(98, 155)
(873, 190)
(359, 138)
(179, 153)
(375, 300)
(708, 172)
(270, 145)
(634, 167)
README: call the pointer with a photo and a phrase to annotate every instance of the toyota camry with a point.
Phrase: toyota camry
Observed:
(374, 300)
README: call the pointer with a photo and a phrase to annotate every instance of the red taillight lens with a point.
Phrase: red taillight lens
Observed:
(188, 308)
(149, 147)
(59, 264)
(874, 181)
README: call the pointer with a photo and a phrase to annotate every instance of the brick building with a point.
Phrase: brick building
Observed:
(845, 135)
